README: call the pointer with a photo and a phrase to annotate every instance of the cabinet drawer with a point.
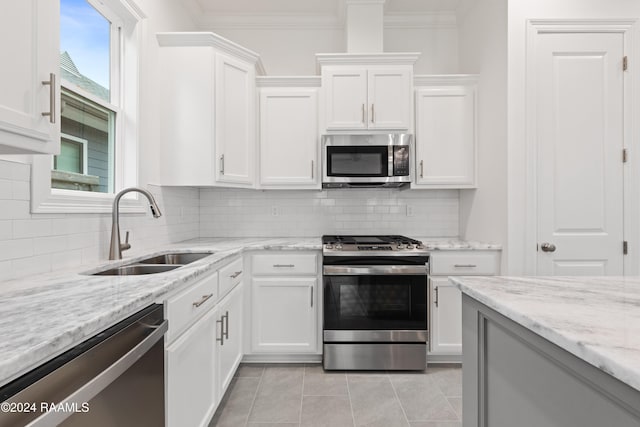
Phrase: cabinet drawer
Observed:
(285, 264)
(189, 305)
(230, 276)
(465, 263)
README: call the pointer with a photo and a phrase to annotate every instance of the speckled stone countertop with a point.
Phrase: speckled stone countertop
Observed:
(45, 315)
(595, 318)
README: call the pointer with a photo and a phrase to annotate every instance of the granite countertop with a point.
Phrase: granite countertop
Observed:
(595, 318)
(43, 316)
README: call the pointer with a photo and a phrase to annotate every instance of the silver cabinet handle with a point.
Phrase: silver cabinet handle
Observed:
(236, 274)
(311, 289)
(284, 265)
(464, 265)
(435, 302)
(548, 247)
(226, 324)
(421, 168)
(429, 312)
(52, 98)
(221, 339)
(312, 169)
(222, 165)
(363, 120)
(372, 114)
(202, 301)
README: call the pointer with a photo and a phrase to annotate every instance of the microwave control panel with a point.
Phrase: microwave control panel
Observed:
(401, 160)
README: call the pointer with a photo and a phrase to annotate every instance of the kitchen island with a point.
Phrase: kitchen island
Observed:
(550, 351)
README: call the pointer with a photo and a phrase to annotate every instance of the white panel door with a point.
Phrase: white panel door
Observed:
(389, 97)
(288, 137)
(30, 46)
(446, 317)
(191, 390)
(234, 121)
(580, 137)
(284, 315)
(446, 136)
(230, 313)
(345, 91)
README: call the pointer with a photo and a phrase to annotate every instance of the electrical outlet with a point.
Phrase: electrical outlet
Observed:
(409, 210)
(275, 211)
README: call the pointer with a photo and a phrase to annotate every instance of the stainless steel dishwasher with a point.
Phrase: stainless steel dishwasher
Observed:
(115, 378)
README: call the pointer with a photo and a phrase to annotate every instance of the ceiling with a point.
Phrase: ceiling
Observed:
(316, 7)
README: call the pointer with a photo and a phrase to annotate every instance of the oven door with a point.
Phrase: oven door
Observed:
(375, 302)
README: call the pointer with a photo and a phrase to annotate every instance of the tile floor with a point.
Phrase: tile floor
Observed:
(305, 395)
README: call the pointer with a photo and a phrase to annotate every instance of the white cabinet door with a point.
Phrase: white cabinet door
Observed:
(190, 387)
(234, 121)
(446, 316)
(230, 331)
(345, 91)
(29, 42)
(284, 315)
(390, 98)
(288, 138)
(446, 137)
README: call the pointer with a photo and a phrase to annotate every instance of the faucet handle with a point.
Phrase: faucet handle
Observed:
(124, 246)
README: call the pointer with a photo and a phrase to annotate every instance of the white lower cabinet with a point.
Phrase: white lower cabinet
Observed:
(284, 315)
(191, 365)
(201, 361)
(445, 326)
(229, 338)
(446, 316)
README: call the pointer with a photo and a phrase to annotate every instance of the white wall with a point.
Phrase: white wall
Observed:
(482, 36)
(246, 213)
(520, 218)
(291, 51)
(36, 243)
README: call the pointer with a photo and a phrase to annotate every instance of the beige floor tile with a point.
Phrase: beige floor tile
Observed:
(422, 399)
(374, 402)
(326, 411)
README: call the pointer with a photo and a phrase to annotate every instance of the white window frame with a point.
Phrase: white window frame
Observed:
(125, 16)
(85, 155)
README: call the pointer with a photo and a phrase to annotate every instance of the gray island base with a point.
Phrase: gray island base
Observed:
(513, 376)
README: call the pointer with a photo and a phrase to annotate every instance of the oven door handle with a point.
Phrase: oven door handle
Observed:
(370, 270)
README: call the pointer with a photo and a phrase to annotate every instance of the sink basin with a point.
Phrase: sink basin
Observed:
(175, 258)
(136, 270)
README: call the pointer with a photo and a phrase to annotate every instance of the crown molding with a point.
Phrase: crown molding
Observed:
(301, 21)
(271, 22)
(213, 40)
(444, 79)
(391, 58)
(424, 20)
(288, 81)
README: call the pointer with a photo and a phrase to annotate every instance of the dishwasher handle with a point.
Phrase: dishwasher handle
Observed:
(106, 377)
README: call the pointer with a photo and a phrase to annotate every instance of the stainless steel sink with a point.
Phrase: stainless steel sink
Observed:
(175, 258)
(136, 270)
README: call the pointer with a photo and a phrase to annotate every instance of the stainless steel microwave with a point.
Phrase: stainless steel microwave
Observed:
(365, 161)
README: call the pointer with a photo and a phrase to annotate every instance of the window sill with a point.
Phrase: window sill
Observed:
(64, 201)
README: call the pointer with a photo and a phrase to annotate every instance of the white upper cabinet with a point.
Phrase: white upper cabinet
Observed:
(29, 42)
(367, 91)
(389, 96)
(208, 134)
(345, 90)
(289, 137)
(234, 120)
(446, 136)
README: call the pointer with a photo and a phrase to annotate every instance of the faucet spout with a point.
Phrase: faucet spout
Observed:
(116, 247)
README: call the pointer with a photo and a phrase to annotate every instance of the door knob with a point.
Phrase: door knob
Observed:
(548, 247)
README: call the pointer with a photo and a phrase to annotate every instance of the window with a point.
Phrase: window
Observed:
(89, 44)
(99, 55)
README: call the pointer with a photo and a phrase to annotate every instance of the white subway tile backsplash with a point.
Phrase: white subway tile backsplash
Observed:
(39, 243)
(246, 213)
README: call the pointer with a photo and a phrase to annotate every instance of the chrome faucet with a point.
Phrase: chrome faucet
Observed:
(116, 248)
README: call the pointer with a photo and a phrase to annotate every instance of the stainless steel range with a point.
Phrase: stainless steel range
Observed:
(375, 303)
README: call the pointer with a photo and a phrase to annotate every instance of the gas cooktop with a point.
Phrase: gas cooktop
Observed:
(342, 245)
